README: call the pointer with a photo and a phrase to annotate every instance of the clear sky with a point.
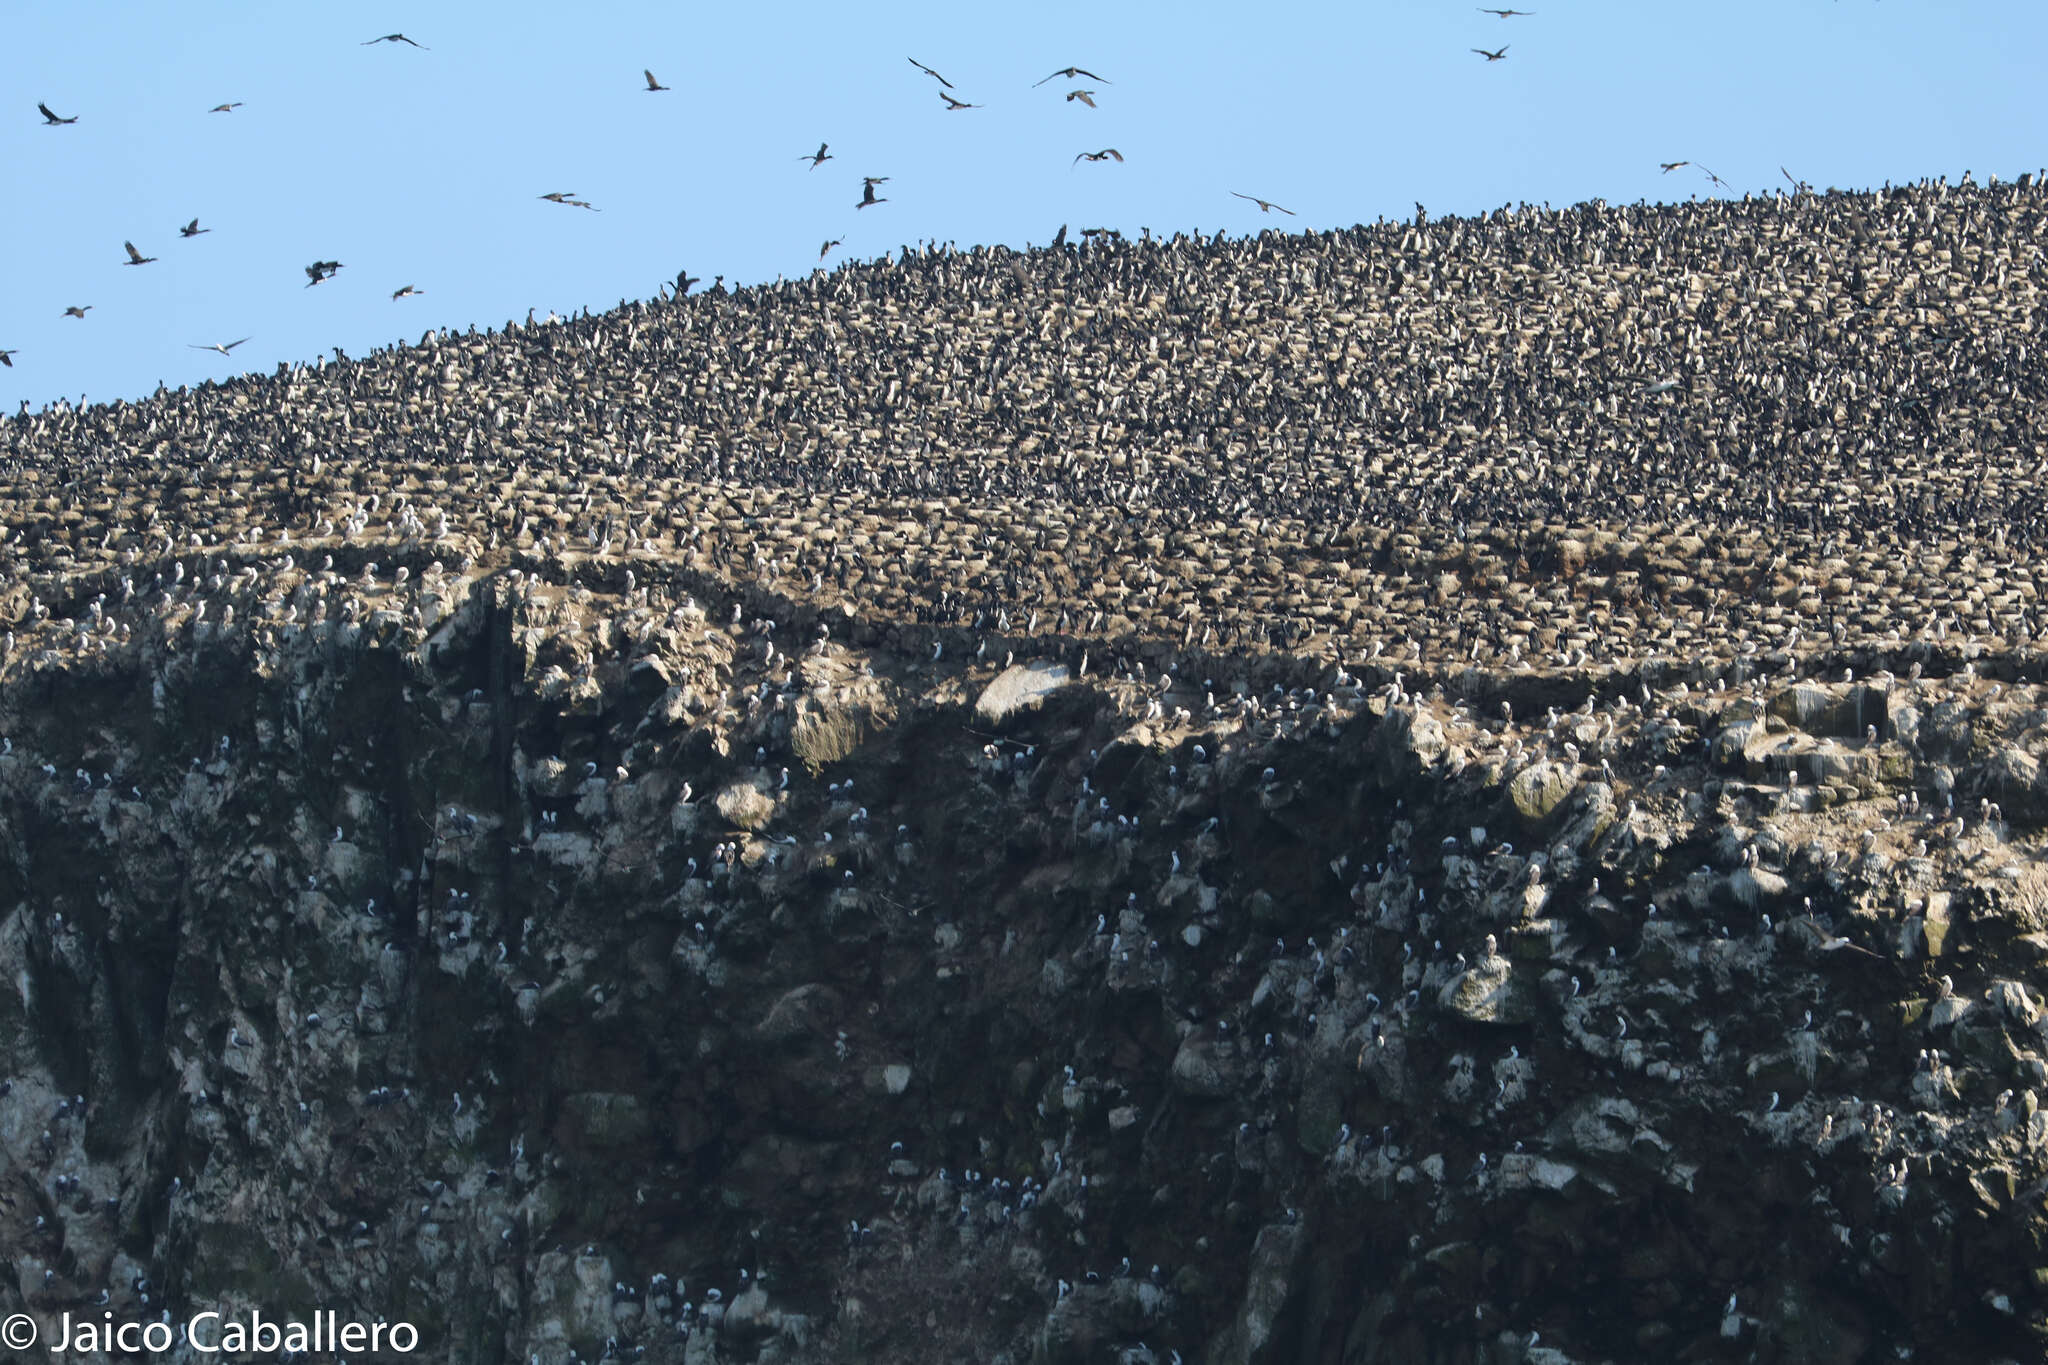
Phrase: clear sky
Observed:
(423, 167)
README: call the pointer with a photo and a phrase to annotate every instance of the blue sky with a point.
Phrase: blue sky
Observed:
(424, 167)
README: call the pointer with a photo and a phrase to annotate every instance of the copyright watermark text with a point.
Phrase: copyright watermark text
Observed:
(207, 1333)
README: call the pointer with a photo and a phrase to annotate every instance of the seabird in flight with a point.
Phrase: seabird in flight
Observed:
(225, 108)
(192, 229)
(1493, 56)
(1073, 73)
(1105, 154)
(952, 105)
(824, 250)
(393, 38)
(5, 359)
(1265, 206)
(1081, 95)
(51, 118)
(819, 157)
(568, 197)
(929, 72)
(135, 257)
(652, 84)
(1508, 13)
(217, 346)
(867, 190)
(319, 271)
(405, 293)
(77, 311)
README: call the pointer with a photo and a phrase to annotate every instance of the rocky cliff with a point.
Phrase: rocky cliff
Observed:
(574, 970)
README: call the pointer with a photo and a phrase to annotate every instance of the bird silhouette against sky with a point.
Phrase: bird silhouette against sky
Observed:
(867, 190)
(222, 346)
(406, 292)
(1265, 205)
(569, 197)
(819, 157)
(192, 229)
(652, 84)
(953, 105)
(395, 38)
(1081, 95)
(135, 257)
(1105, 154)
(1493, 56)
(1073, 73)
(929, 72)
(51, 118)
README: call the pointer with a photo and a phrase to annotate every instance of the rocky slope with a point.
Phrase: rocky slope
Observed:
(696, 988)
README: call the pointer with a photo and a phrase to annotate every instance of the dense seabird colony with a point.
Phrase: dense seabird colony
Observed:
(1480, 762)
(1790, 427)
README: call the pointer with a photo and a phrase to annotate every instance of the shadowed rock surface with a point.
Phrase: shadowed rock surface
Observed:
(503, 834)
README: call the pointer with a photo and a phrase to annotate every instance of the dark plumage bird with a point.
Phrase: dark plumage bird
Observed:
(1073, 73)
(953, 104)
(929, 72)
(407, 292)
(1105, 154)
(51, 118)
(1081, 95)
(394, 38)
(1265, 206)
(826, 249)
(819, 157)
(867, 190)
(135, 257)
(77, 311)
(652, 84)
(1493, 56)
(684, 279)
(1509, 13)
(319, 271)
(192, 229)
(1670, 166)
(222, 347)
(7, 359)
(225, 108)
(568, 197)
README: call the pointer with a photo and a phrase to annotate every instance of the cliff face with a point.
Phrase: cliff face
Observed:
(538, 954)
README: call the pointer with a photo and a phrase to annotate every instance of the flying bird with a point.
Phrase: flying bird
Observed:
(684, 279)
(75, 311)
(6, 359)
(929, 72)
(1493, 56)
(405, 293)
(953, 105)
(135, 257)
(817, 158)
(225, 108)
(1798, 186)
(652, 84)
(867, 190)
(1509, 13)
(1105, 154)
(51, 119)
(568, 197)
(192, 229)
(222, 347)
(1264, 205)
(1670, 166)
(1081, 95)
(1073, 73)
(825, 250)
(394, 38)
(319, 271)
